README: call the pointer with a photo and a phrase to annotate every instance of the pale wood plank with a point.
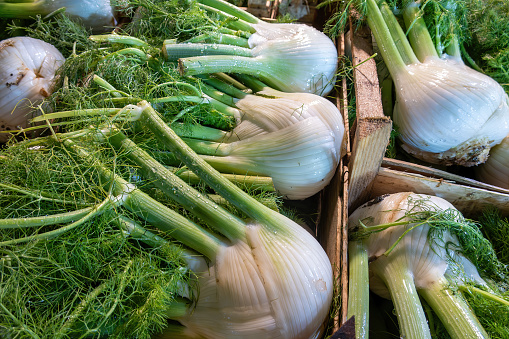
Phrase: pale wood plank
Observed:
(404, 166)
(469, 200)
(372, 128)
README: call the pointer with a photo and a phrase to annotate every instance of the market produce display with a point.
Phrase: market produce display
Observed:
(103, 232)
(149, 150)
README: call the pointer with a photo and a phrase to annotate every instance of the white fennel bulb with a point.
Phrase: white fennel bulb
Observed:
(290, 57)
(308, 53)
(407, 260)
(267, 277)
(98, 15)
(300, 159)
(27, 76)
(495, 171)
(449, 113)
(297, 139)
(445, 112)
(260, 114)
(274, 285)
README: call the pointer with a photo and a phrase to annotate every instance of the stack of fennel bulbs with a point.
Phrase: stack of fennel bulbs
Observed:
(139, 252)
(301, 158)
(103, 267)
(297, 139)
(445, 112)
(411, 246)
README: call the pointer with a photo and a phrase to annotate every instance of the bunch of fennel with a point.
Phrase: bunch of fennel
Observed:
(289, 57)
(294, 138)
(411, 245)
(445, 112)
(248, 271)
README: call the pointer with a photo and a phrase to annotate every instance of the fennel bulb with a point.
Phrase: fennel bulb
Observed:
(97, 15)
(297, 139)
(409, 256)
(288, 57)
(298, 106)
(260, 272)
(301, 158)
(446, 112)
(495, 171)
(27, 76)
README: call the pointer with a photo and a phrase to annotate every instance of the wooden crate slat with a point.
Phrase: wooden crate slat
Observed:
(469, 200)
(373, 128)
(333, 212)
(404, 166)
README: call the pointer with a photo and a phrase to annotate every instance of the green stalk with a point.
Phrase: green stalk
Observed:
(231, 21)
(231, 9)
(108, 203)
(224, 87)
(211, 148)
(217, 38)
(232, 81)
(153, 211)
(453, 48)
(358, 287)
(207, 64)
(198, 132)
(137, 232)
(215, 104)
(90, 112)
(398, 35)
(383, 37)
(232, 193)
(223, 164)
(106, 85)
(257, 182)
(175, 51)
(484, 294)
(453, 311)
(45, 220)
(251, 82)
(218, 95)
(399, 280)
(174, 187)
(119, 39)
(23, 10)
(418, 33)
